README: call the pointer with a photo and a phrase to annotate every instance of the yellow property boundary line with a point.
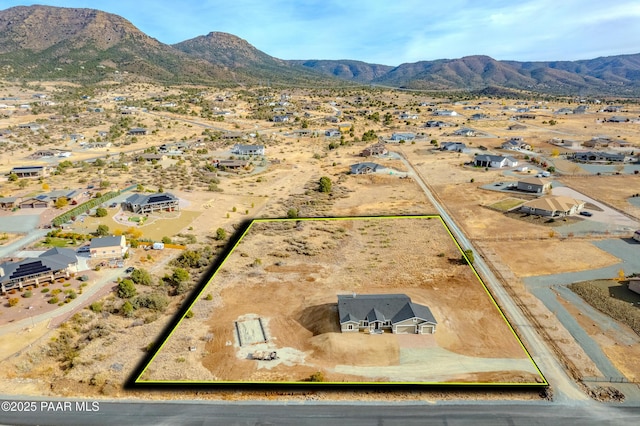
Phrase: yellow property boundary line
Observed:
(205, 283)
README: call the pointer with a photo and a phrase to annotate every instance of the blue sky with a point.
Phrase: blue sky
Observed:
(392, 32)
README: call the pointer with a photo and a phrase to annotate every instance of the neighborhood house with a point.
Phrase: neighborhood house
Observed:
(536, 185)
(497, 161)
(553, 206)
(49, 266)
(248, 149)
(365, 168)
(377, 313)
(108, 247)
(149, 203)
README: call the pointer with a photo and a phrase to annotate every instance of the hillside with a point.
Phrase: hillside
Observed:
(87, 45)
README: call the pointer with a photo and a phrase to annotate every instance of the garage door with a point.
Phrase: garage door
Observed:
(427, 329)
(406, 329)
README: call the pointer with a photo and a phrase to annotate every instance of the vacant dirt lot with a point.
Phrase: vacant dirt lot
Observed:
(552, 256)
(289, 275)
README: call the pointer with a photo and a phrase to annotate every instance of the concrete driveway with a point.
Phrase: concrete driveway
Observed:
(607, 215)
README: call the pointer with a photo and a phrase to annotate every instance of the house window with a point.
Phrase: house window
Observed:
(350, 327)
(365, 323)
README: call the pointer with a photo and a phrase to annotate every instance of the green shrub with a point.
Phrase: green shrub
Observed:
(53, 300)
(27, 294)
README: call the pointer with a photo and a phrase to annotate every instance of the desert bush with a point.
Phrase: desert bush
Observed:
(153, 301)
(13, 301)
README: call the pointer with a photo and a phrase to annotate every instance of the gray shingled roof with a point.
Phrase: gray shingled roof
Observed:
(380, 307)
(105, 242)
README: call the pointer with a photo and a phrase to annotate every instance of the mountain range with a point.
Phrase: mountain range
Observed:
(44, 42)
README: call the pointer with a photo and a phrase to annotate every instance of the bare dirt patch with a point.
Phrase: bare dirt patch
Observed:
(290, 274)
(552, 256)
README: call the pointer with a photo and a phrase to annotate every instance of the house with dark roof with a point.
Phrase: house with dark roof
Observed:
(108, 247)
(598, 156)
(453, 146)
(365, 168)
(377, 313)
(137, 131)
(617, 119)
(30, 171)
(149, 203)
(497, 161)
(405, 136)
(49, 266)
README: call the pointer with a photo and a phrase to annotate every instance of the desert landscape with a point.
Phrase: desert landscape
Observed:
(289, 274)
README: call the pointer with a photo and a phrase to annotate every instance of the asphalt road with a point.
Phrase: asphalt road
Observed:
(566, 389)
(66, 412)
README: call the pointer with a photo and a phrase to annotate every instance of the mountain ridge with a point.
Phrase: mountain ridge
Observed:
(84, 44)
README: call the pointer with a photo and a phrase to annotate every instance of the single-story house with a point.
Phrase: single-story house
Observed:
(617, 119)
(453, 146)
(553, 206)
(30, 171)
(34, 203)
(377, 313)
(582, 109)
(152, 157)
(149, 203)
(375, 149)
(52, 264)
(465, 131)
(515, 144)
(478, 116)
(407, 137)
(593, 156)
(409, 116)
(332, 133)
(524, 117)
(280, 118)
(497, 161)
(136, 131)
(232, 135)
(365, 168)
(248, 149)
(8, 202)
(231, 164)
(445, 112)
(436, 123)
(34, 127)
(534, 184)
(612, 108)
(110, 247)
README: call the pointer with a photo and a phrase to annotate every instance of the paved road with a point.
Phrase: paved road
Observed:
(555, 374)
(541, 287)
(295, 413)
(14, 247)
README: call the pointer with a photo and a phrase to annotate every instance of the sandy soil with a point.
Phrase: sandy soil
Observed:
(551, 256)
(304, 269)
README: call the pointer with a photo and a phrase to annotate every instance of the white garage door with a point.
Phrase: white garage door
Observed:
(427, 329)
(406, 329)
